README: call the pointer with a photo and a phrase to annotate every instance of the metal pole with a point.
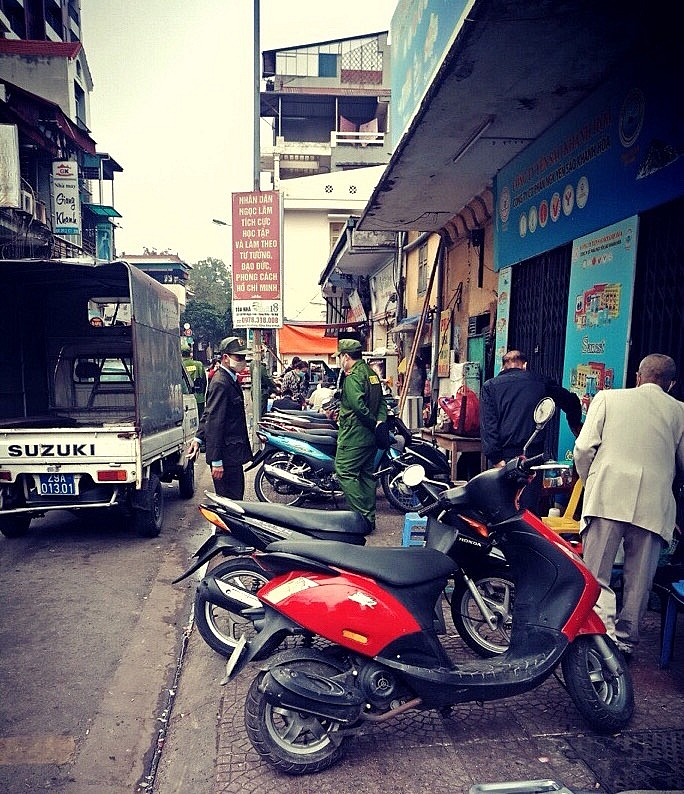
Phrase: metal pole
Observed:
(256, 332)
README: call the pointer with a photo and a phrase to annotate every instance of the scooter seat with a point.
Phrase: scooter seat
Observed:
(315, 439)
(344, 522)
(402, 567)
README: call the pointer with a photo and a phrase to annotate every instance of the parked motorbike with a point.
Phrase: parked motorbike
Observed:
(375, 608)
(242, 528)
(413, 449)
(480, 591)
(297, 462)
(299, 465)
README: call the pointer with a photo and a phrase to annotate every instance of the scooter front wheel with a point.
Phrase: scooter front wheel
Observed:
(292, 741)
(219, 628)
(398, 495)
(498, 594)
(603, 696)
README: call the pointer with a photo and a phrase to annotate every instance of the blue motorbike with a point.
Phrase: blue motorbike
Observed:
(298, 466)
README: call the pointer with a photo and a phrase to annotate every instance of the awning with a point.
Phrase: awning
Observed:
(409, 325)
(101, 210)
(305, 340)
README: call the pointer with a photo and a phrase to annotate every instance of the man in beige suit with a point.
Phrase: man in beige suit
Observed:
(627, 454)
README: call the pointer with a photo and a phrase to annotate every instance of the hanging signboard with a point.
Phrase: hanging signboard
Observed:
(444, 357)
(10, 171)
(65, 197)
(599, 315)
(256, 259)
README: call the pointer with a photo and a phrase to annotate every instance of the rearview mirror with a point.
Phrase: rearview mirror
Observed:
(413, 475)
(545, 409)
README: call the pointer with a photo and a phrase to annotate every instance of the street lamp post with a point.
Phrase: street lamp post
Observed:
(256, 332)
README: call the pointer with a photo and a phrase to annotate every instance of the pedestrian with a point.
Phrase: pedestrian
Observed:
(197, 375)
(223, 427)
(285, 402)
(507, 404)
(294, 381)
(627, 455)
(320, 395)
(362, 407)
(215, 362)
(416, 378)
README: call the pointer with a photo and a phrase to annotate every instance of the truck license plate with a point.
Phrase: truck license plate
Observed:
(57, 485)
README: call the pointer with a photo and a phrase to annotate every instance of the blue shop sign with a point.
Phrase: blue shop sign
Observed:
(615, 155)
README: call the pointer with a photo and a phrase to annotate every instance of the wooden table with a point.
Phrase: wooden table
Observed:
(453, 445)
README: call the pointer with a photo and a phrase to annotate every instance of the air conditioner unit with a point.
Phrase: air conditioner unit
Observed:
(41, 212)
(28, 204)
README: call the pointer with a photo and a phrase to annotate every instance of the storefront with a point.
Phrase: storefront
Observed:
(589, 240)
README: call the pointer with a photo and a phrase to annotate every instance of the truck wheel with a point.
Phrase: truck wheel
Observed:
(15, 526)
(186, 481)
(148, 513)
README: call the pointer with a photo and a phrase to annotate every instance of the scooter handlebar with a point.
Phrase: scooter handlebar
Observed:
(522, 466)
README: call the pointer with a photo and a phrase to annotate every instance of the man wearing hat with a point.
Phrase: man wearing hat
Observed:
(223, 426)
(362, 407)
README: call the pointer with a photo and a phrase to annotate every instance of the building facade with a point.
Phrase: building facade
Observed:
(56, 189)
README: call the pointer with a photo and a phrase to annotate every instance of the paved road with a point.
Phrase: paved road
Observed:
(91, 631)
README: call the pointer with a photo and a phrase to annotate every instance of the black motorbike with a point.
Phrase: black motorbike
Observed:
(480, 592)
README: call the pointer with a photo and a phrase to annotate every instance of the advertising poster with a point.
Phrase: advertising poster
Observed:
(599, 316)
(503, 304)
(257, 274)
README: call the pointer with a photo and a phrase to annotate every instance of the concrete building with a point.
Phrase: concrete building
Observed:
(327, 106)
(56, 189)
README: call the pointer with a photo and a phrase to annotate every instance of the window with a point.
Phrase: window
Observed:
(422, 268)
(335, 232)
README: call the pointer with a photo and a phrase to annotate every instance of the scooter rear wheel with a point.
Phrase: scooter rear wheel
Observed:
(219, 628)
(605, 700)
(294, 742)
(275, 491)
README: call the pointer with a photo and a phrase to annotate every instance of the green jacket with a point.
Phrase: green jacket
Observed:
(195, 370)
(362, 405)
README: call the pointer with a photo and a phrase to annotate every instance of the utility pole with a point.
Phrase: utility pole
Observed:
(256, 332)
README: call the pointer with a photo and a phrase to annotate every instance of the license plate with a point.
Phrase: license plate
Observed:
(57, 485)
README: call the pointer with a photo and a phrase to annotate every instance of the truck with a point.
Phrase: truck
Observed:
(96, 409)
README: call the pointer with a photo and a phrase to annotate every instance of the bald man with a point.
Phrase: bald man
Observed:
(627, 455)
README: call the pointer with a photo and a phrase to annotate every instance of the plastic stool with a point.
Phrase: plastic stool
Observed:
(674, 602)
(414, 530)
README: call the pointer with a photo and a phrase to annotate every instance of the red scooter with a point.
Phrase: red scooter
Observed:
(375, 608)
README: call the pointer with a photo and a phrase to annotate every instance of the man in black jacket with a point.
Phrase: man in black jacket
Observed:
(223, 427)
(507, 404)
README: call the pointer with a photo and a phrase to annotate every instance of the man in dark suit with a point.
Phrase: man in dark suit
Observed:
(507, 404)
(223, 426)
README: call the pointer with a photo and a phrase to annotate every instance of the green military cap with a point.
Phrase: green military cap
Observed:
(233, 346)
(348, 346)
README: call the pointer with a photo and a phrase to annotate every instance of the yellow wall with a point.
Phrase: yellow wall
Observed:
(461, 268)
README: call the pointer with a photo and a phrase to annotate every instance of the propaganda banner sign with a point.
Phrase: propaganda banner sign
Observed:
(257, 260)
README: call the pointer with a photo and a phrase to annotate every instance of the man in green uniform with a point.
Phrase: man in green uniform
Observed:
(362, 407)
(197, 375)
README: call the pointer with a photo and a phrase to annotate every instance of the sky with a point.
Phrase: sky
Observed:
(173, 102)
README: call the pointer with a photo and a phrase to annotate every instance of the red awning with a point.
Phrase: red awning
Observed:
(305, 340)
